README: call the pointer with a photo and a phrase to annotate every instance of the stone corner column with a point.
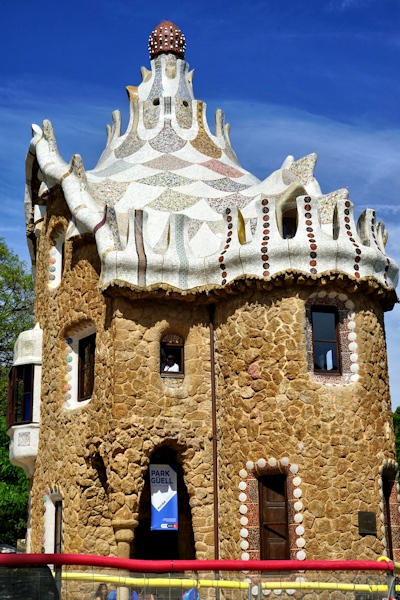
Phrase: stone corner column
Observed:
(123, 531)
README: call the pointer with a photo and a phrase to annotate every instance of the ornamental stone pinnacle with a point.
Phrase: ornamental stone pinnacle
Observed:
(167, 38)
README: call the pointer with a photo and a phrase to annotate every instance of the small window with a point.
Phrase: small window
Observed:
(289, 224)
(274, 522)
(20, 395)
(172, 356)
(87, 347)
(324, 321)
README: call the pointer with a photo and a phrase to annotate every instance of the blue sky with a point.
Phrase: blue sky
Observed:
(292, 77)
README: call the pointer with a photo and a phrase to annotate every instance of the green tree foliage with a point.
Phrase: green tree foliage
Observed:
(396, 424)
(16, 308)
(13, 494)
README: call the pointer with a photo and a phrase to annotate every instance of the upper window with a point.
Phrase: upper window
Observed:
(172, 356)
(87, 348)
(20, 395)
(325, 339)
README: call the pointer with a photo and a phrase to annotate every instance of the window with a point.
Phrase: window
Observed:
(172, 356)
(20, 395)
(87, 347)
(273, 511)
(324, 321)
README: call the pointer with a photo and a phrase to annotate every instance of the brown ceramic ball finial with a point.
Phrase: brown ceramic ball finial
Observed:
(167, 38)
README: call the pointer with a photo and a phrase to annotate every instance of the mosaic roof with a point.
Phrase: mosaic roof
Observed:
(168, 191)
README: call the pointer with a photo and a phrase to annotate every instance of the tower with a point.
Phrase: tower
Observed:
(268, 297)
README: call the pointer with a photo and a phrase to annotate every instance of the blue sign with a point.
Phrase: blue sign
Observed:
(164, 497)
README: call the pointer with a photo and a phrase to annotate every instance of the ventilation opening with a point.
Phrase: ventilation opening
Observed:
(335, 225)
(289, 223)
(169, 544)
(185, 103)
(156, 102)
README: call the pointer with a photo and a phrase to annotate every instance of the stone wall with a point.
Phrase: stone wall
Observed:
(273, 416)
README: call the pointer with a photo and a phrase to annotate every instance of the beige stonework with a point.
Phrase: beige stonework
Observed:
(268, 406)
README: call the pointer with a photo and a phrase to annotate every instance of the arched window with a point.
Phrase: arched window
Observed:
(172, 356)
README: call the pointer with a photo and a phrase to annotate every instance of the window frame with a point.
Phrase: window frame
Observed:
(14, 403)
(327, 309)
(175, 346)
(83, 343)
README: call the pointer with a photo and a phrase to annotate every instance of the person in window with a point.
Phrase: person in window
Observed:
(171, 364)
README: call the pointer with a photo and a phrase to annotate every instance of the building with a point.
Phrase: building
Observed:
(270, 300)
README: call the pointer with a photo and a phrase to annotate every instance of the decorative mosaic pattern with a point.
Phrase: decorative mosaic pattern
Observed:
(265, 240)
(113, 169)
(172, 200)
(172, 338)
(151, 114)
(184, 113)
(222, 258)
(219, 167)
(28, 348)
(166, 180)
(184, 92)
(55, 258)
(142, 259)
(304, 168)
(132, 142)
(226, 185)
(167, 162)
(68, 375)
(231, 155)
(166, 37)
(249, 506)
(24, 439)
(253, 225)
(202, 142)
(347, 338)
(215, 226)
(156, 89)
(193, 227)
(113, 225)
(220, 204)
(309, 222)
(108, 192)
(180, 248)
(327, 204)
(288, 177)
(79, 171)
(167, 140)
(48, 132)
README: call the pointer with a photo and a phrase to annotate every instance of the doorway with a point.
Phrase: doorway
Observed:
(170, 544)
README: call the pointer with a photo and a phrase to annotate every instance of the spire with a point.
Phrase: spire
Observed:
(167, 38)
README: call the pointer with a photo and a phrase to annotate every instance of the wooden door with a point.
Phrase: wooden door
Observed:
(274, 534)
